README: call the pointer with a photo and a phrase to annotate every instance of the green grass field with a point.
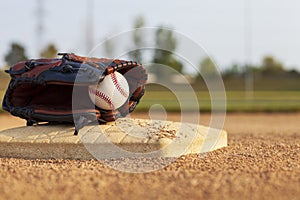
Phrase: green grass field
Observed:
(261, 101)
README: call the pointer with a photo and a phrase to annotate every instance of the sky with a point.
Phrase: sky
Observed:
(223, 28)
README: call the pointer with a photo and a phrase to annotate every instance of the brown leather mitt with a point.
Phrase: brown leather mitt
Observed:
(56, 90)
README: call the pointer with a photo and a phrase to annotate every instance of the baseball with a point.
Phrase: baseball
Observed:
(111, 93)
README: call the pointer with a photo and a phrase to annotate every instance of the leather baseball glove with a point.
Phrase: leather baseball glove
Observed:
(42, 90)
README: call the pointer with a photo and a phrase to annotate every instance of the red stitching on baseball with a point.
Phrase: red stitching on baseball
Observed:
(118, 86)
(103, 97)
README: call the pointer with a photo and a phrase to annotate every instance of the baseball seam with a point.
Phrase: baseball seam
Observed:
(117, 85)
(104, 97)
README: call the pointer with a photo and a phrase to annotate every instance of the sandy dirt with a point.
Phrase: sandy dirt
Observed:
(262, 161)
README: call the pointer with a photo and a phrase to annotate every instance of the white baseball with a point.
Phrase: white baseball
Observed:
(111, 93)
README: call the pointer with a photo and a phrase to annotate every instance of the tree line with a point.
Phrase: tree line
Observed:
(166, 43)
(17, 53)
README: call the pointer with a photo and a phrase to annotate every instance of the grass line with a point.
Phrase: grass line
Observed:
(262, 101)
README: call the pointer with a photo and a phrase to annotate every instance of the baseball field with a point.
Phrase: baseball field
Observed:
(262, 161)
(194, 99)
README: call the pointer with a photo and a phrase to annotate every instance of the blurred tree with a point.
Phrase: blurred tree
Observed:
(49, 51)
(138, 39)
(15, 54)
(270, 65)
(234, 70)
(207, 68)
(294, 73)
(109, 48)
(165, 46)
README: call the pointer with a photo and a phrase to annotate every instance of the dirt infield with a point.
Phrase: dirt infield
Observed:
(262, 161)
